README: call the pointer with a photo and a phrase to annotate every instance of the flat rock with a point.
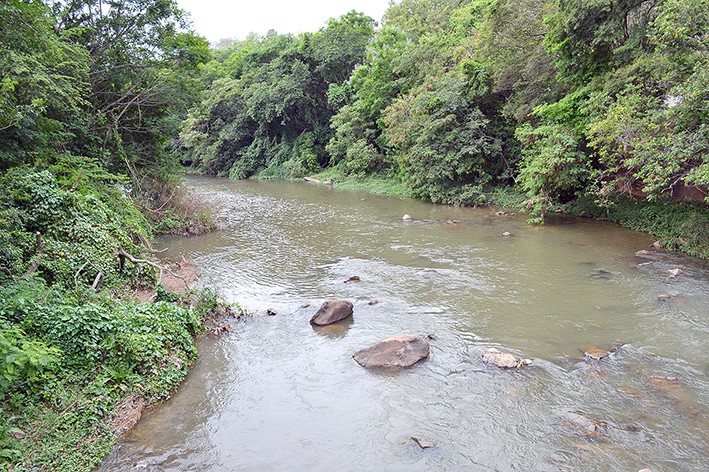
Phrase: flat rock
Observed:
(332, 311)
(424, 442)
(397, 351)
(504, 360)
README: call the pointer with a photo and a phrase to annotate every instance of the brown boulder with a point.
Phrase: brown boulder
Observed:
(397, 351)
(332, 311)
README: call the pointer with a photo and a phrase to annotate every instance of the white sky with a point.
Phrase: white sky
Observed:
(219, 19)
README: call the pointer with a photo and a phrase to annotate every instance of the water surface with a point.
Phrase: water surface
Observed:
(277, 395)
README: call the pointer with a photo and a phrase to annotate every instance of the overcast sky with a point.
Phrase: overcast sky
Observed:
(219, 19)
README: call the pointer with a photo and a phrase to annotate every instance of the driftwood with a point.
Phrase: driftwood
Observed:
(316, 181)
(97, 280)
(123, 255)
(37, 260)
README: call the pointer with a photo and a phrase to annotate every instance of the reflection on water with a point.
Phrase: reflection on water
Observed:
(277, 395)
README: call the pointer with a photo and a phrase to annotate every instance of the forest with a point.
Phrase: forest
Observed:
(590, 107)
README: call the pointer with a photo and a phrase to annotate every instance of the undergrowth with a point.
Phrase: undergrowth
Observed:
(66, 365)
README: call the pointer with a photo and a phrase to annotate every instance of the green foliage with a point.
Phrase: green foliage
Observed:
(25, 363)
(77, 225)
(444, 144)
(65, 363)
(552, 166)
(272, 112)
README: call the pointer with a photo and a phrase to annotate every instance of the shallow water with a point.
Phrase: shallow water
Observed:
(278, 395)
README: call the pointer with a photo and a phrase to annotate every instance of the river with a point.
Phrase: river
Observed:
(278, 395)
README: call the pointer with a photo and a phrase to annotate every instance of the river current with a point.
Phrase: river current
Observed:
(278, 395)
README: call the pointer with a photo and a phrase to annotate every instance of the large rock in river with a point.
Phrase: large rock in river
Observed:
(397, 351)
(332, 311)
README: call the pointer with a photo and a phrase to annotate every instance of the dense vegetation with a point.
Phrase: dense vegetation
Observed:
(594, 106)
(91, 97)
(575, 102)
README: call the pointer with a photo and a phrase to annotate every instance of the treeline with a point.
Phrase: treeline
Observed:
(92, 94)
(565, 100)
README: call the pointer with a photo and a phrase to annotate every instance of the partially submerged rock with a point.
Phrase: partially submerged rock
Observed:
(332, 311)
(407, 217)
(353, 278)
(628, 392)
(645, 254)
(597, 353)
(397, 351)
(594, 352)
(665, 384)
(583, 424)
(506, 234)
(504, 360)
(424, 442)
(601, 274)
(676, 272)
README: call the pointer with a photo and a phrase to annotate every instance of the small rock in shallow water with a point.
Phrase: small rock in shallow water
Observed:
(628, 392)
(271, 312)
(645, 254)
(353, 278)
(406, 217)
(664, 383)
(584, 424)
(373, 302)
(601, 274)
(332, 311)
(504, 360)
(305, 305)
(672, 273)
(506, 234)
(424, 442)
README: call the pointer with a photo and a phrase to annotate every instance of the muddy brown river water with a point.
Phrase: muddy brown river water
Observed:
(278, 395)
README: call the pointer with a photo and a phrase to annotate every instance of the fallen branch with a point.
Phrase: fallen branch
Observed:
(76, 275)
(316, 181)
(34, 265)
(124, 255)
(97, 280)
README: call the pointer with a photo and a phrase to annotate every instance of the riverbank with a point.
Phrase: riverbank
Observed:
(678, 226)
(92, 326)
(111, 358)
